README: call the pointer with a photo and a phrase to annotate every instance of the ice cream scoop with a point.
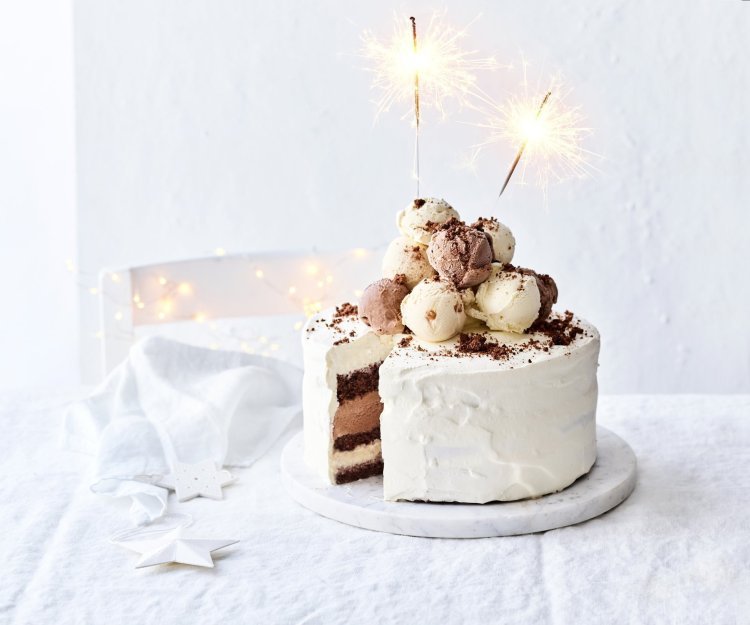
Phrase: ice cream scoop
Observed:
(460, 254)
(434, 310)
(547, 291)
(380, 305)
(512, 300)
(409, 258)
(502, 239)
(422, 217)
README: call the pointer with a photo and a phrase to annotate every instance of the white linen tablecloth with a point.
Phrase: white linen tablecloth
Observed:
(677, 551)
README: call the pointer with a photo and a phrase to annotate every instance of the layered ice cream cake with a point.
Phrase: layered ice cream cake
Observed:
(453, 376)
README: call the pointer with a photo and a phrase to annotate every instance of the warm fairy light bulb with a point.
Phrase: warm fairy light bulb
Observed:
(200, 317)
(115, 277)
(311, 308)
(360, 252)
(140, 305)
(264, 339)
(162, 280)
(358, 292)
(259, 273)
(329, 278)
(118, 315)
(161, 315)
(93, 290)
(136, 298)
(312, 269)
(292, 290)
(298, 325)
(220, 251)
(185, 288)
(320, 284)
(274, 347)
(214, 346)
(99, 335)
(70, 265)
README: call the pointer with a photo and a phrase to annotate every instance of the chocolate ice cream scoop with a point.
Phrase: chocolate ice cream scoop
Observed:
(460, 254)
(380, 305)
(547, 291)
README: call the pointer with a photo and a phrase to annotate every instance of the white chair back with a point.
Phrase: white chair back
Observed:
(252, 302)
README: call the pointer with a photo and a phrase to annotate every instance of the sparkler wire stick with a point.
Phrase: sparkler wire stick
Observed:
(519, 154)
(416, 100)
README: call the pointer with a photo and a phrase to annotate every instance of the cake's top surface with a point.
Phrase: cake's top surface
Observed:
(335, 326)
(475, 347)
(478, 347)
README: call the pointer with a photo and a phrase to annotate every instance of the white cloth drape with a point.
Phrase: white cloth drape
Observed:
(171, 401)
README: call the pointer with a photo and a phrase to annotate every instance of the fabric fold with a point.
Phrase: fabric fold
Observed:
(170, 401)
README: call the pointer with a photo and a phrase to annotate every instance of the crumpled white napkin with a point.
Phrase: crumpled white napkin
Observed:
(171, 401)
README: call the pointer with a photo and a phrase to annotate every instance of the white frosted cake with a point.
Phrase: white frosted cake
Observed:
(453, 378)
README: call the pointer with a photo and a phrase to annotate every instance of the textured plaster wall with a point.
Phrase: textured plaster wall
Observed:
(38, 297)
(247, 125)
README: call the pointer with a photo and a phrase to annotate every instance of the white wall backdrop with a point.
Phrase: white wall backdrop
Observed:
(38, 296)
(248, 125)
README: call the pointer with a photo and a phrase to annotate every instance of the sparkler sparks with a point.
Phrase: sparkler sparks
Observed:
(549, 135)
(444, 69)
(521, 150)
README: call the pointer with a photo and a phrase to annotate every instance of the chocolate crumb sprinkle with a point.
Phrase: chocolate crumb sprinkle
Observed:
(560, 331)
(345, 310)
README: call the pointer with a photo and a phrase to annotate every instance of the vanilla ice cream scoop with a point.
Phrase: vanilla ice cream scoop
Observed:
(502, 239)
(408, 258)
(434, 310)
(512, 299)
(422, 217)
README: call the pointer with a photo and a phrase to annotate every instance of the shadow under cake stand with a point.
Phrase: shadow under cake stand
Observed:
(360, 503)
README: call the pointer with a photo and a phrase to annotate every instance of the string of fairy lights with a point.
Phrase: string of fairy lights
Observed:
(313, 275)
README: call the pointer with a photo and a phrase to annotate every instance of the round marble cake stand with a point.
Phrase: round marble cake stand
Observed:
(360, 503)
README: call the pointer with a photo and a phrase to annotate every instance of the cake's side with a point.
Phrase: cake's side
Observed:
(341, 405)
(515, 421)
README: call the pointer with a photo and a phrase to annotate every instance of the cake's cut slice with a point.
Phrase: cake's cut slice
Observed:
(342, 406)
(490, 416)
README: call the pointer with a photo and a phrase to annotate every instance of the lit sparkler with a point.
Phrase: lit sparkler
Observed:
(422, 73)
(519, 154)
(445, 70)
(549, 135)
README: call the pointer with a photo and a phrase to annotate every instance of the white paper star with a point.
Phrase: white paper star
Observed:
(172, 547)
(196, 480)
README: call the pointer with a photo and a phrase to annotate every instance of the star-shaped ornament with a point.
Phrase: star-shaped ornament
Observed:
(173, 547)
(196, 480)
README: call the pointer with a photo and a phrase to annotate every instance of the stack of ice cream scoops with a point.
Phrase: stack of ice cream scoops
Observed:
(453, 377)
(442, 270)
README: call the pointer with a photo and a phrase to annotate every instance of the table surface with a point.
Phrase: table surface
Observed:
(677, 551)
